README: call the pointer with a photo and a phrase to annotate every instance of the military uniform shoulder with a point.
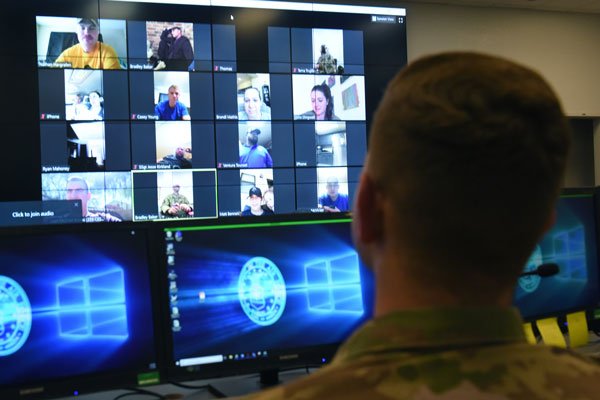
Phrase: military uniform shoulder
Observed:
(499, 372)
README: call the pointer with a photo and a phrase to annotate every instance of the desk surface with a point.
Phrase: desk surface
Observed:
(237, 385)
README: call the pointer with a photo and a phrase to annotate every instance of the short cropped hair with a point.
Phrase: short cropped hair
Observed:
(470, 149)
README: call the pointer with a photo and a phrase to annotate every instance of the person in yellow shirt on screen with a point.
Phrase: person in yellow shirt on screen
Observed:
(89, 52)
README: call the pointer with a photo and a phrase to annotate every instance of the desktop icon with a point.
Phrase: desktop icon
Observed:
(176, 325)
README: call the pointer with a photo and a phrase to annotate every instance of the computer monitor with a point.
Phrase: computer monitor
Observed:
(105, 144)
(572, 243)
(76, 313)
(260, 298)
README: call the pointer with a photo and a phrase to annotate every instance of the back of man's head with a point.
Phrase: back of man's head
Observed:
(469, 150)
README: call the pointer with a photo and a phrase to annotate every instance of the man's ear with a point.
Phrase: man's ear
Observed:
(550, 221)
(368, 212)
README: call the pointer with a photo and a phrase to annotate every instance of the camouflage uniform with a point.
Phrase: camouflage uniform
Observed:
(327, 64)
(453, 353)
(172, 199)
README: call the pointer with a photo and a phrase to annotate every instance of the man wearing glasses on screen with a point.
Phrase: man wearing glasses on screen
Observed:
(78, 189)
(89, 52)
(333, 201)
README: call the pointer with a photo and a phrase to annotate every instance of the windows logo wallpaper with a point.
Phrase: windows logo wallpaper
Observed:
(73, 304)
(266, 288)
(570, 243)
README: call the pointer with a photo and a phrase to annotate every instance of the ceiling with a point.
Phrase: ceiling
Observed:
(580, 6)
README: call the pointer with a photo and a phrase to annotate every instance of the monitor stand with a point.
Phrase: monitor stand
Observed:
(240, 386)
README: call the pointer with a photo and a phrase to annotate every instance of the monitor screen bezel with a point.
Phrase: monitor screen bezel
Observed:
(561, 312)
(278, 360)
(78, 384)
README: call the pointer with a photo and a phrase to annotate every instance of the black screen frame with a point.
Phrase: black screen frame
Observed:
(278, 360)
(106, 379)
(27, 183)
(561, 312)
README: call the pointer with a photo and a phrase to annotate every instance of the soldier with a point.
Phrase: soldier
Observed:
(176, 205)
(467, 153)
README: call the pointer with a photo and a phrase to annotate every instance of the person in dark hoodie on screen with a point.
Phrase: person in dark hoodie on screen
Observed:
(164, 46)
(181, 53)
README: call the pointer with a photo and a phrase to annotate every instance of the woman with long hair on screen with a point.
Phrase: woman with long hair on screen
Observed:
(322, 103)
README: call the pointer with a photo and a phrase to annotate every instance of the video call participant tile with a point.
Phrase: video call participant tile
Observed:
(256, 192)
(172, 145)
(332, 189)
(326, 189)
(239, 191)
(325, 51)
(329, 143)
(90, 146)
(174, 194)
(254, 144)
(83, 95)
(169, 46)
(329, 98)
(253, 97)
(104, 196)
(82, 43)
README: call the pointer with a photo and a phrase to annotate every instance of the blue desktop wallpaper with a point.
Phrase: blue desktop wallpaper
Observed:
(73, 304)
(265, 288)
(572, 244)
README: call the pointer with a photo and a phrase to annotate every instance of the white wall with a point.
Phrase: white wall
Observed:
(564, 47)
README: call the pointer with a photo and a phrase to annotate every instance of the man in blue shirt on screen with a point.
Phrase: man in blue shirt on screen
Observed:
(172, 109)
(333, 201)
(253, 155)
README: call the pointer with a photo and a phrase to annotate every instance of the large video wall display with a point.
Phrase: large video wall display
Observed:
(151, 111)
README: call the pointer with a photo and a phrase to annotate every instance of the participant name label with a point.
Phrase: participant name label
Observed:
(55, 168)
(148, 217)
(144, 117)
(228, 214)
(227, 116)
(140, 67)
